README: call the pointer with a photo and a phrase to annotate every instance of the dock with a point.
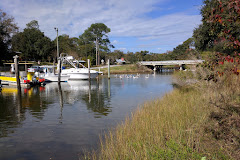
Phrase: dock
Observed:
(23, 85)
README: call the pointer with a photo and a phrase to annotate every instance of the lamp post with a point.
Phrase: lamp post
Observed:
(58, 57)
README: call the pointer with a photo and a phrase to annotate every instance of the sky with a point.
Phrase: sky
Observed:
(136, 25)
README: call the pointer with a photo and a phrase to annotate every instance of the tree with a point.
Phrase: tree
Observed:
(116, 54)
(141, 55)
(130, 57)
(203, 39)
(33, 24)
(7, 29)
(68, 45)
(86, 45)
(32, 43)
(97, 33)
(183, 51)
(221, 26)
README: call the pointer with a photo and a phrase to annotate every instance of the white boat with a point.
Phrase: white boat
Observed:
(49, 75)
(77, 73)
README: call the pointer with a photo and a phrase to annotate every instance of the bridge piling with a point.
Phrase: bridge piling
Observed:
(154, 68)
(180, 67)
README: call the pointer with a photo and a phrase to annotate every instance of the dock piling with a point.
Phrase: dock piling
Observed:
(59, 69)
(89, 75)
(17, 71)
(108, 69)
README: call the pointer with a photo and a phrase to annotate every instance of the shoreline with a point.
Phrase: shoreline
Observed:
(126, 69)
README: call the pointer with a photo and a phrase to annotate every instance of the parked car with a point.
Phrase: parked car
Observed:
(35, 69)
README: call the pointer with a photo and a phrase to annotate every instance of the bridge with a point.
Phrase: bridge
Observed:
(160, 64)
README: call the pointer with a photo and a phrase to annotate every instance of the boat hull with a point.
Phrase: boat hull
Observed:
(79, 73)
(54, 78)
(82, 76)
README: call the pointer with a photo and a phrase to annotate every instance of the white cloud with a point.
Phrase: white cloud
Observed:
(126, 18)
(114, 42)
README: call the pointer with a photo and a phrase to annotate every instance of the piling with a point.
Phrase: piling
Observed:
(89, 75)
(26, 69)
(17, 71)
(108, 69)
(59, 69)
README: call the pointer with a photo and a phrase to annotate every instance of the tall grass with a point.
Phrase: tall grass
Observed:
(193, 122)
(168, 128)
(156, 130)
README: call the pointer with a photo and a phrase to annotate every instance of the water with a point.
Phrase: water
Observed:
(61, 122)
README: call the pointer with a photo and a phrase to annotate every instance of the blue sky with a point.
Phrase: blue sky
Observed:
(153, 25)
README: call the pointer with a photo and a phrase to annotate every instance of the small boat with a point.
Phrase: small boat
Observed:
(30, 80)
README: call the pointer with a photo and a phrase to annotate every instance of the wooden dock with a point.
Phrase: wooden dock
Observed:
(23, 85)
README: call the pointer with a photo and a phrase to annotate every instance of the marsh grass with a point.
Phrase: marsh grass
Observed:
(197, 121)
(168, 128)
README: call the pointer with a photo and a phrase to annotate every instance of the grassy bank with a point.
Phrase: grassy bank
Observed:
(196, 121)
(129, 68)
(163, 129)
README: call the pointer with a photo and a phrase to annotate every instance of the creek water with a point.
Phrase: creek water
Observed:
(63, 122)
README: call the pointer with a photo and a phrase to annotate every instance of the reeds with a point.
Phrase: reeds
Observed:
(162, 129)
(193, 122)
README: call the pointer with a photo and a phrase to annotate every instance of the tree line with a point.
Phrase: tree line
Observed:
(219, 32)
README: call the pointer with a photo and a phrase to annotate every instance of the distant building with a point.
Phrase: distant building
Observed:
(120, 61)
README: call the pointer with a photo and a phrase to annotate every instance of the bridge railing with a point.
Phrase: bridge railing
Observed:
(174, 62)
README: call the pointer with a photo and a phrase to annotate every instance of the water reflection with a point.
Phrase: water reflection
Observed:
(60, 102)
(109, 88)
(10, 115)
(61, 120)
